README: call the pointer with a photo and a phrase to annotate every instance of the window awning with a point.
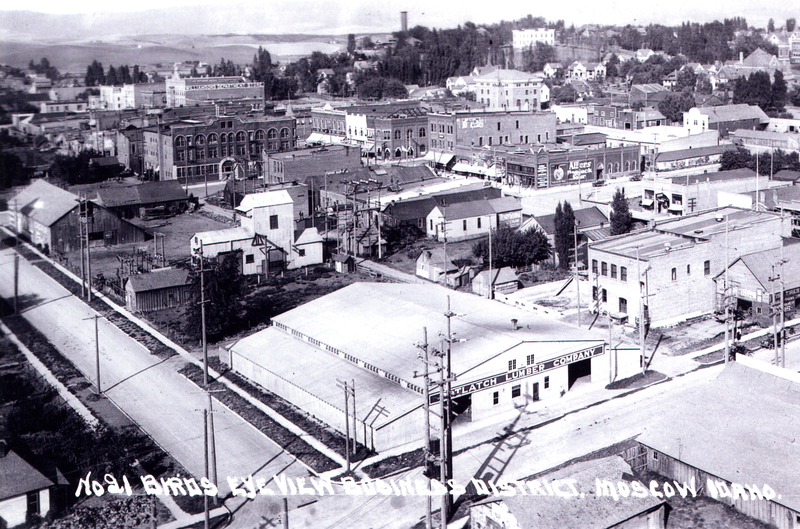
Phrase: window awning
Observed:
(647, 202)
(466, 168)
(368, 146)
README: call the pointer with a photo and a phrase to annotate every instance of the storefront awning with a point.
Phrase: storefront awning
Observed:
(368, 146)
(647, 202)
(316, 137)
(466, 168)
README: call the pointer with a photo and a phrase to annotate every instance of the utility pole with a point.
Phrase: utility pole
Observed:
(426, 406)
(444, 234)
(641, 312)
(16, 257)
(774, 311)
(447, 434)
(205, 458)
(96, 350)
(81, 222)
(203, 316)
(577, 276)
(490, 290)
(344, 386)
(355, 431)
(783, 307)
(443, 455)
(725, 297)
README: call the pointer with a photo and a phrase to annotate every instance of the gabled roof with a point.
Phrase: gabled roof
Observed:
(587, 217)
(499, 276)
(685, 154)
(787, 175)
(759, 59)
(309, 236)
(265, 199)
(44, 202)
(147, 193)
(18, 477)
(733, 113)
(761, 263)
(435, 257)
(649, 88)
(158, 279)
(505, 204)
(226, 235)
(466, 210)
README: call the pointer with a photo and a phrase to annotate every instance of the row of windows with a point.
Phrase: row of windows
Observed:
(623, 271)
(442, 128)
(442, 144)
(241, 136)
(198, 170)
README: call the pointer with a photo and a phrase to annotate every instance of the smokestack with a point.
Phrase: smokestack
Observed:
(403, 21)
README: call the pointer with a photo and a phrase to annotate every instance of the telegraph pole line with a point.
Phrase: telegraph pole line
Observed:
(88, 252)
(577, 276)
(426, 405)
(355, 431)
(16, 257)
(81, 222)
(342, 384)
(774, 311)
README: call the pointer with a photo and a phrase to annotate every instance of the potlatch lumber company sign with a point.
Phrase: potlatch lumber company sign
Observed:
(524, 372)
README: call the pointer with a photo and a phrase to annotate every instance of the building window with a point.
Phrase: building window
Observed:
(518, 120)
(200, 140)
(240, 150)
(180, 141)
(422, 132)
(479, 223)
(707, 268)
(301, 252)
(285, 133)
(273, 222)
(605, 295)
(512, 364)
(594, 266)
(688, 269)
(495, 398)
(516, 391)
(498, 125)
(604, 268)
(623, 273)
(546, 382)
(397, 134)
(529, 360)
(272, 134)
(623, 305)
(674, 274)
(613, 271)
(465, 224)
(249, 259)
(212, 138)
(241, 136)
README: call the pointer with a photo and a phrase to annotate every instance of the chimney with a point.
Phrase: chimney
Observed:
(741, 57)
(403, 21)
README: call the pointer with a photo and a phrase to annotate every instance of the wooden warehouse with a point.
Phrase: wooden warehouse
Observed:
(50, 218)
(160, 289)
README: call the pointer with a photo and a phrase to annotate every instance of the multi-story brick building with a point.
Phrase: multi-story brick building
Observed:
(677, 260)
(218, 146)
(190, 91)
(511, 90)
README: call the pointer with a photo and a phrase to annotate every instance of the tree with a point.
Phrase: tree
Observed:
(351, 43)
(779, 91)
(111, 76)
(224, 289)
(790, 24)
(674, 105)
(771, 25)
(564, 221)
(704, 85)
(686, 79)
(612, 66)
(621, 219)
(513, 248)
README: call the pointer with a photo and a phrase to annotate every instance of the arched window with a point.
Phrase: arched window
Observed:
(241, 136)
(200, 140)
(230, 137)
(422, 132)
(411, 152)
(387, 154)
(410, 133)
(212, 138)
(633, 165)
(223, 138)
(397, 153)
(397, 134)
(272, 134)
(180, 141)
(616, 167)
(285, 133)
(421, 148)
(610, 168)
(188, 141)
(259, 135)
(349, 131)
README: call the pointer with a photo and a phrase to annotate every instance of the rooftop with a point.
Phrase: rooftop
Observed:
(734, 113)
(43, 202)
(265, 199)
(733, 174)
(158, 279)
(758, 439)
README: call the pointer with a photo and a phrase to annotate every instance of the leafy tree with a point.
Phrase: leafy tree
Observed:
(194, 72)
(224, 290)
(771, 25)
(564, 221)
(564, 94)
(380, 87)
(686, 79)
(674, 105)
(367, 43)
(95, 75)
(790, 24)
(612, 66)
(351, 43)
(704, 85)
(78, 169)
(621, 219)
(12, 171)
(535, 57)
(514, 248)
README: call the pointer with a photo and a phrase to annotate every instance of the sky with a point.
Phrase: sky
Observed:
(380, 16)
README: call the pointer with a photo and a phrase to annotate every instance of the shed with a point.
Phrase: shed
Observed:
(24, 489)
(344, 263)
(503, 280)
(160, 289)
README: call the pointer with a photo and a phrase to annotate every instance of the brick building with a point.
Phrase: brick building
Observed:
(214, 148)
(678, 260)
(190, 91)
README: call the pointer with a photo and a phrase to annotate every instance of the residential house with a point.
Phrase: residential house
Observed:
(432, 265)
(414, 211)
(553, 69)
(588, 71)
(648, 94)
(469, 220)
(25, 489)
(159, 289)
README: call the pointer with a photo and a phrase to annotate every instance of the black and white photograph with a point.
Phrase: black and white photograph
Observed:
(330, 264)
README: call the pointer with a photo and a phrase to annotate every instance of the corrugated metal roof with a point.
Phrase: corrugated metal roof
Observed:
(265, 199)
(230, 234)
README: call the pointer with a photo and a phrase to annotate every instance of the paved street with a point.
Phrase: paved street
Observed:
(151, 392)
